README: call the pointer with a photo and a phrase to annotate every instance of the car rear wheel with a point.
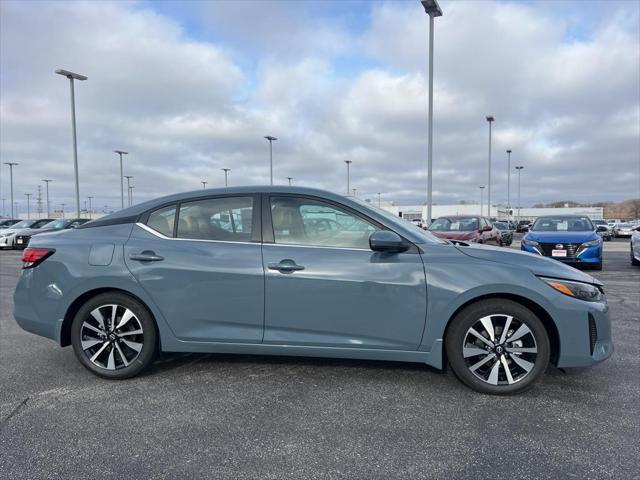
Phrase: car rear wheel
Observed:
(497, 347)
(114, 336)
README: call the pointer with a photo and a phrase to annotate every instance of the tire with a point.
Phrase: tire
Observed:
(597, 266)
(118, 353)
(525, 368)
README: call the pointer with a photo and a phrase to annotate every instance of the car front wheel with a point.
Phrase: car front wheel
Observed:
(114, 336)
(497, 347)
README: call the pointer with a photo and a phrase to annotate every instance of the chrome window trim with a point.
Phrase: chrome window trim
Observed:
(150, 230)
(164, 237)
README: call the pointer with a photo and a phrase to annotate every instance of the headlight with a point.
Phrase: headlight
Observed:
(531, 243)
(579, 290)
(592, 243)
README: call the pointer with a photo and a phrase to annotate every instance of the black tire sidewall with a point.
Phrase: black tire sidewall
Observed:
(470, 315)
(149, 349)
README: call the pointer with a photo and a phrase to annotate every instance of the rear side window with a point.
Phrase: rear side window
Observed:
(162, 220)
(225, 219)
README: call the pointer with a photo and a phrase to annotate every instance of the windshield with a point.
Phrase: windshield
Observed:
(501, 226)
(453, 224)
(562, 224)
(57, 224)
(429, 237)
(624, 225)
(599, 222)
(24, 224)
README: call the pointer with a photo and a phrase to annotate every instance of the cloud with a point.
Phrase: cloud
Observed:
(191, 88)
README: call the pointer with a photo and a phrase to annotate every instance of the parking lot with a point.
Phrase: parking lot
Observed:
(231, 416)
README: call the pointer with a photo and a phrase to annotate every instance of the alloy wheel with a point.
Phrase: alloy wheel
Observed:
(111, 337)
(499, 349)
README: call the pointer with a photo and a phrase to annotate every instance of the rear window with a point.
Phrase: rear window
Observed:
(162, 220)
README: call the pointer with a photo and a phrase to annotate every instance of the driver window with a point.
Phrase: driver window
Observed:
(299, 221)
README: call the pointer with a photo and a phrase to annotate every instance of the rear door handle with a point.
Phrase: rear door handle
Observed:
(285, 266)
(146, 256)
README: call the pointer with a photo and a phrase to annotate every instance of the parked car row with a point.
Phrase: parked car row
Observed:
(17, 234)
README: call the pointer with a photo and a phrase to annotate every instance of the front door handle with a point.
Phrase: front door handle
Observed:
(146, 256)
(285, 266)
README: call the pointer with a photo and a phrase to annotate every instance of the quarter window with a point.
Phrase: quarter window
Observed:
(226, 218)
(300, 221)
(162, 220)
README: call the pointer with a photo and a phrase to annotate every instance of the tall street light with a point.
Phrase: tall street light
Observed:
(490, 120)
(348, 162)
(378, 199)
(289, 178)
(131, 193)
(271, 140)
(28, 195)
(508, 187)
(128, 177)
(120, 153)
(204, 184)
(11, 165)
(46, 181)
(90, 210)
(226, 176)
(432, 9)
(481, 200)
(62, 205)
(519, 169)
(74, 76)
(354, 192)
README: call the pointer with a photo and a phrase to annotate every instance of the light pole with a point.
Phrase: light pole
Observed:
(204, 184)
(289, 178)
(432, 9)
(131, 193)
(378, 199)
(490, 120)
(62, 204)
(481, 200)
(46, 181)
(271, 140)
(120, 153)
(226, 176)
(28, 195)
(90, 209)
(11, 165)
(354, 192)
(348, 162)
(509, 188)
(74, 76)
(128, 177)
(519, 169)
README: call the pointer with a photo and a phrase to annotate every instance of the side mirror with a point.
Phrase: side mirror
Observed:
(387, 241)
(601, 228)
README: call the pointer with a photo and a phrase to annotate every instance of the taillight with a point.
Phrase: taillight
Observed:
(32, 257)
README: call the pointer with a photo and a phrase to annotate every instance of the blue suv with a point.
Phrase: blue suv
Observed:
(568, 238)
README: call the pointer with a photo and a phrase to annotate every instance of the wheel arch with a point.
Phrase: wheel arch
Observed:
(65, 331)
(539, 311)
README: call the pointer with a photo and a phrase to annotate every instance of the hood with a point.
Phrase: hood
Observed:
(455, 234)
(561, 237)
(535, 263)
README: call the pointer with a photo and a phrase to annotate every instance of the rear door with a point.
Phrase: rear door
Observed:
(201, 263)
(325, 287)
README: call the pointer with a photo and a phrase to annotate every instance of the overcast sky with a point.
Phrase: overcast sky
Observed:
(189, 88)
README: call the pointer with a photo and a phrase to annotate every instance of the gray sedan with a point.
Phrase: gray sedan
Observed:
(297, 271)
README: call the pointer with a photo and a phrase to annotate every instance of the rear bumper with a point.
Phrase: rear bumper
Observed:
(26, 315)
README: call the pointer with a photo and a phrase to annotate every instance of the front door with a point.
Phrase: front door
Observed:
(201, 263)
(325, 287)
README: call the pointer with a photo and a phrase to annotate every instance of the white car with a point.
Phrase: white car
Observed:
(622, 230)
(635, 247)
(8, 235)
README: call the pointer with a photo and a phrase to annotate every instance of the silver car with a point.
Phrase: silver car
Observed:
(635, 247)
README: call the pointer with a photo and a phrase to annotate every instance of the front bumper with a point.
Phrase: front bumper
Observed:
(7, 242)
(588, 256)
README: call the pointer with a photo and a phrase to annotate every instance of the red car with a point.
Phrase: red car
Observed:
(467, 229)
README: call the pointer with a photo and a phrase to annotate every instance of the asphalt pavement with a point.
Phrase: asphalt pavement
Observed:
(236, 416)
